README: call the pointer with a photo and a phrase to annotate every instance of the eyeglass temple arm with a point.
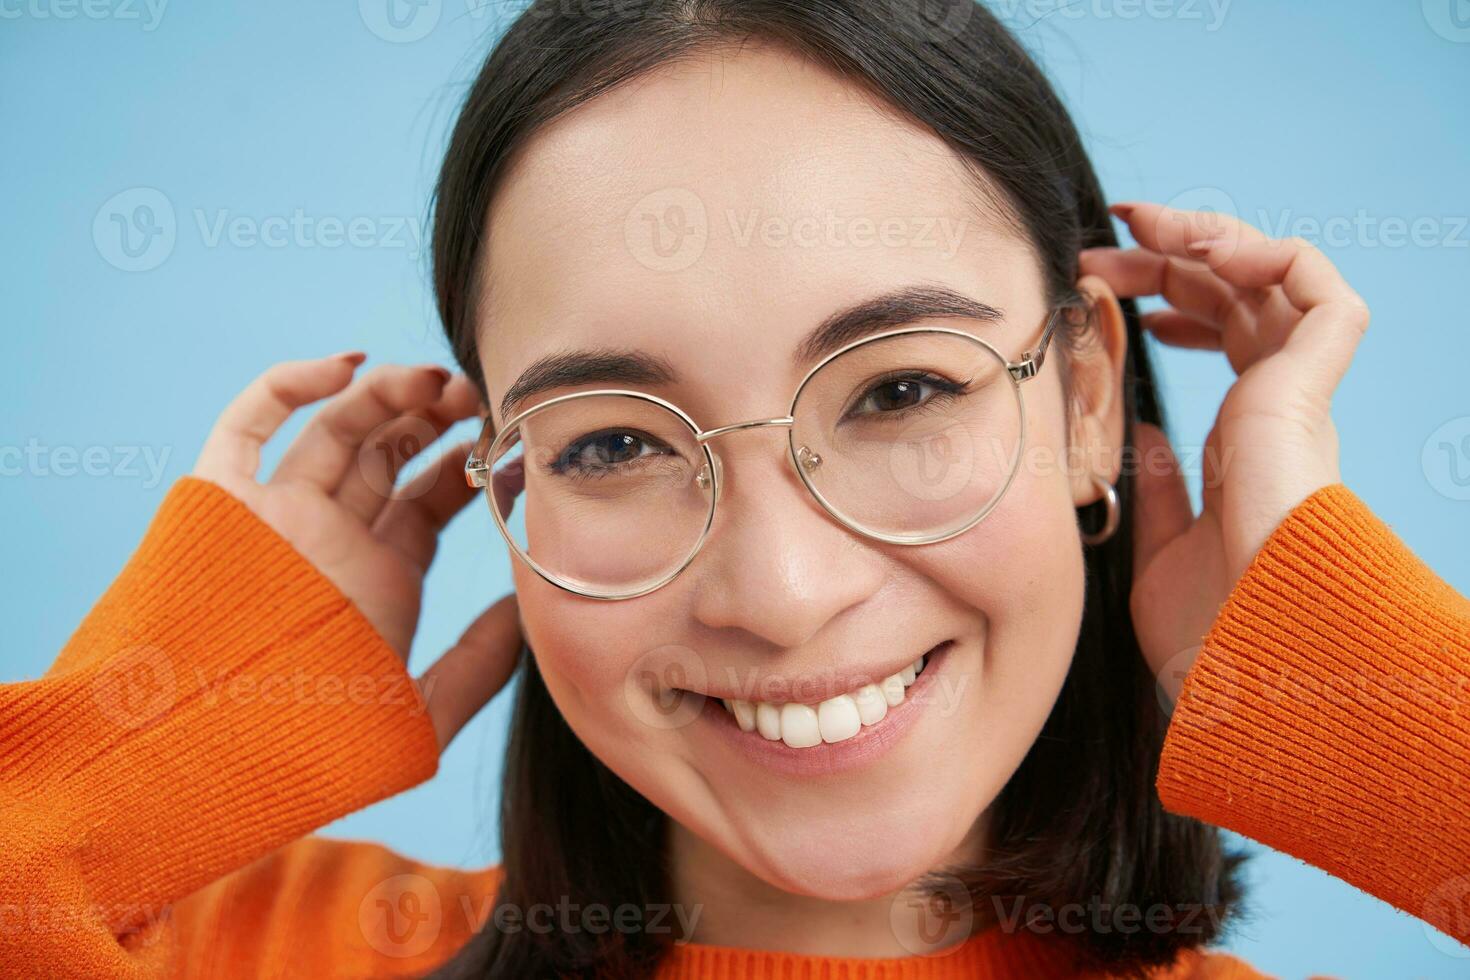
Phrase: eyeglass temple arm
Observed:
(1031, 361)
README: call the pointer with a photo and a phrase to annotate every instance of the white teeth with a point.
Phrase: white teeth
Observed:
(744, 713)
(768, 720)
(838, 718)
(870, 704)
(799, 726)
(834, 720)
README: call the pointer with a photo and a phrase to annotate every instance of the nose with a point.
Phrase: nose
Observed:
(775, 564)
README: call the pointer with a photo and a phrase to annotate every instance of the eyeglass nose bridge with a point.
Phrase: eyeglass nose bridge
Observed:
(805, 457)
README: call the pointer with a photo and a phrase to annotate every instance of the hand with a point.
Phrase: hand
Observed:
(1289, 324)
(330, 498)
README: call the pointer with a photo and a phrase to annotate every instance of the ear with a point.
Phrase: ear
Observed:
(1095, 374)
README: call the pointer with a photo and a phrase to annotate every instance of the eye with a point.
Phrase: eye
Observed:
(898, 395)
(600, 453)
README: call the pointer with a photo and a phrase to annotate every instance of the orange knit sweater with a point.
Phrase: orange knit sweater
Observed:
(223, 699)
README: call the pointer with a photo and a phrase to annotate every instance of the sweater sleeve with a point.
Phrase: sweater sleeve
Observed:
(221, 699)
(1328, 712)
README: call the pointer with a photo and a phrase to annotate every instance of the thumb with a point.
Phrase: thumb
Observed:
(1163, 511)
(473, 671)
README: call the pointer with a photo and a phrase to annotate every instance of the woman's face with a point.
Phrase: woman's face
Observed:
(781, 196)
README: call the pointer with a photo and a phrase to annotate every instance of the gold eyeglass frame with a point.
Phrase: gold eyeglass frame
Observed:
(487, 447)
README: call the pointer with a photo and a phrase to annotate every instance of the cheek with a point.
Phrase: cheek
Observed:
(597, 657)
(579, 643)
(1021, 571)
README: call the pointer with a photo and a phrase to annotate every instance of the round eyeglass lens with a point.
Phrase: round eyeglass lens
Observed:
(912, 437)
(606, 494)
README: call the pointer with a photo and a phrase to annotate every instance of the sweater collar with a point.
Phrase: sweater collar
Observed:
(992, 953)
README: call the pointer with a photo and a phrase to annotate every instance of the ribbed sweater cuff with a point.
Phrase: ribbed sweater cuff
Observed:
(221, 699)
(1328, 713)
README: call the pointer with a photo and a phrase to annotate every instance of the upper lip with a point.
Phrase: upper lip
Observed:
(808, 687)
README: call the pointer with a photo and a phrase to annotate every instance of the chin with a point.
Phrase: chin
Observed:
(847, 860)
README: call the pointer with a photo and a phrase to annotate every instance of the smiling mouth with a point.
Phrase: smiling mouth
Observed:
(803, 726)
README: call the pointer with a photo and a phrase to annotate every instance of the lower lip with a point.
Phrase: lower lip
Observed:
(831, 758)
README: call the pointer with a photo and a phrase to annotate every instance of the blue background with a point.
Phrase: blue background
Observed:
(1282, 113)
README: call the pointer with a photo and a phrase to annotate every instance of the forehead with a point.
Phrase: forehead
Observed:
(717, 209)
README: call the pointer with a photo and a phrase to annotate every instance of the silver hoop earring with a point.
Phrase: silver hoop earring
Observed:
(1110, 523)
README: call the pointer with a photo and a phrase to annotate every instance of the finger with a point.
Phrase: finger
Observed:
(369, 486)
(1213, 466)
(1178, 330)
(1186, 283)
(247, 423)
(1163, 511)
(1334, 316)
(328, 445)
(473, 671)
(1276, 319)
(1241, 349)
(1132, 272)
(420, 510)
(1171, 231)
(1189, 285)
(1193, 289)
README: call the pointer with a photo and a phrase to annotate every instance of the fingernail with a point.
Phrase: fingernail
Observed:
(1122, 210)
(443, 373)
(1201, 248)
(353, 357)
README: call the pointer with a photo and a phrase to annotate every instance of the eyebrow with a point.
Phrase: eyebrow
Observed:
(631, 366)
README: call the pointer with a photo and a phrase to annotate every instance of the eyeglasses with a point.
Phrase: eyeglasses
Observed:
(908, 437)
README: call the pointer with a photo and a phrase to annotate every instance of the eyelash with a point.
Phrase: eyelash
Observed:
(947, 389)
(565, 467)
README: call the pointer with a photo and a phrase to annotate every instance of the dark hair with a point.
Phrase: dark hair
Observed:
(1080, 820)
